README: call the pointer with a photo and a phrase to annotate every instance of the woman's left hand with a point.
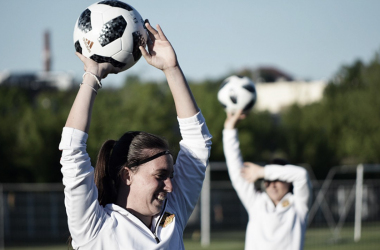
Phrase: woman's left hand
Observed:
(161, 53)
(233, 118)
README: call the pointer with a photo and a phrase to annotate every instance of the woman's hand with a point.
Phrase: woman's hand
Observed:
(252, 172)
(99, 69)
(161, 53)
(233, 118)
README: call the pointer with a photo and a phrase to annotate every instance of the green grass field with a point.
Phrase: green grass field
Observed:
(316, 239)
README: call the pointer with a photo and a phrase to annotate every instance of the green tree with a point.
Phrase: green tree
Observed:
(340, 129)
(343, 127)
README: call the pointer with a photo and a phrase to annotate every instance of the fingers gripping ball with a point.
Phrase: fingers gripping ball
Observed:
(237, 92)
(110, 31)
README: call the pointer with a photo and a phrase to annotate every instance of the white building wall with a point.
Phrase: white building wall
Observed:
(60, 80)
(3, 75)
(273, 97)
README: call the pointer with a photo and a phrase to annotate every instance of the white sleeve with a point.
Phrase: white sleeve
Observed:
(85, 215)
(231, 146)
(296, 175)
(191, 163)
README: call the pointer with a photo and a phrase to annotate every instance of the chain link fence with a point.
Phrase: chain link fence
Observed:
(35, 213)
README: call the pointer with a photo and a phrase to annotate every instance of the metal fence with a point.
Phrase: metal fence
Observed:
(32, 213)
(35, 213)
(228, 213)
(340, 207)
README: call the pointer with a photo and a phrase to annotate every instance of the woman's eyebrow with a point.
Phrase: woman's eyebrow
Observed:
(164, 171)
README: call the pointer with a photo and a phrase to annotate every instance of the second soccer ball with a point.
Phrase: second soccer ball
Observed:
(237, 92)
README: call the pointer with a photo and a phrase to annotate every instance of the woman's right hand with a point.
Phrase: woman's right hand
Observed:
(101, 70)
(252, 172)
(233, 118)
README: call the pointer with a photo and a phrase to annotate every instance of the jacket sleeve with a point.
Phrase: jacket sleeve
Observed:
(296, 175)
(231, 146)
(190, 166)
(85, 215)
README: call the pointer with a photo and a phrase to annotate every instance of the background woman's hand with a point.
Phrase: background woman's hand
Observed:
(99, 69)
(161, 53)
(233, 118)
(252, 172)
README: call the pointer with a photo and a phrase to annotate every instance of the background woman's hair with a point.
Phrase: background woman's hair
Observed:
(115, 155)
(282, 162)
(279, 161)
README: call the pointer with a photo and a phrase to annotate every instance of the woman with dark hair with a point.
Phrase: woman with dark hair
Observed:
(278, 216)
(136, 198)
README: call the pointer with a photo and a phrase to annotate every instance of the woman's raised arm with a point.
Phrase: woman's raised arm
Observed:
(80, 113)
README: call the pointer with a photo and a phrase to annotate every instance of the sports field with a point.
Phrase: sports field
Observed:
(316, 239)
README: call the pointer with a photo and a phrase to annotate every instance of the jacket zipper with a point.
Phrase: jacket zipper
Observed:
(158, 221)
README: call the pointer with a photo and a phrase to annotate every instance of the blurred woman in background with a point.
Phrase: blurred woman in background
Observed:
(278, 216)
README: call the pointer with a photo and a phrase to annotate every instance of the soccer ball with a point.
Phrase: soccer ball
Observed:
(110, 31)
(237, 92)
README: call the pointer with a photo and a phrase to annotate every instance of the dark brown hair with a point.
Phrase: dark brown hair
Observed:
(282, 162)
(279, 161)
(115, 155)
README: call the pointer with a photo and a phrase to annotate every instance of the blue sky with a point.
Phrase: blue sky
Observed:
(308, 39)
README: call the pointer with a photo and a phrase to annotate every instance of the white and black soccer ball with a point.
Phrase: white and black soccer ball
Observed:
(110, 31)
(237, 92)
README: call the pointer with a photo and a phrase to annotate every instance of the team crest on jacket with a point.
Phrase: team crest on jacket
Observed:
(285, 203)
(167, 219)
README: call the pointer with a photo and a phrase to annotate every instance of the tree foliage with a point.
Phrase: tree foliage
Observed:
(343, 128)
(340, 129)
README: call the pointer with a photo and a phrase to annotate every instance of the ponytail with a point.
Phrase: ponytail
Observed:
(106, 185)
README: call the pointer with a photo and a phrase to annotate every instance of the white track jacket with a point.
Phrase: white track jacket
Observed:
(270, 227)
(112, 227)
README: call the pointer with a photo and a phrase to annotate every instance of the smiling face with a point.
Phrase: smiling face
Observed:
(276, 190)
(149, 186)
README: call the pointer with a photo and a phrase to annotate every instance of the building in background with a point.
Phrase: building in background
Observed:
(277, 89)
(35, 81)
(276, 96)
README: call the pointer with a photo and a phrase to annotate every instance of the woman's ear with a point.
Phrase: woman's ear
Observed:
(126, 176)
